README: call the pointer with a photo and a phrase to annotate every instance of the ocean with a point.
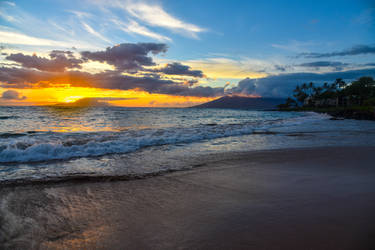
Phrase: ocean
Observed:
(47, 144)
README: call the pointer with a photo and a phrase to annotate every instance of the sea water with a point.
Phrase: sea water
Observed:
(58, 143)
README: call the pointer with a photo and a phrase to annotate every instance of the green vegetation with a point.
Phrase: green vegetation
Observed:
(354, 100)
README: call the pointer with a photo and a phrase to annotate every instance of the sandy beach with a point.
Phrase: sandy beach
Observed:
(315, 198)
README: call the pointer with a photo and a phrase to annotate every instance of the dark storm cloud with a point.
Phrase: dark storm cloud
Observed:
(356, 50)
(179, 69)
(12, 95)
(59, 61)
(282, 85)
(28, 78)
(127, 56)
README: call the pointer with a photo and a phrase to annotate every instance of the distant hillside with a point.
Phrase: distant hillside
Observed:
(240, 102)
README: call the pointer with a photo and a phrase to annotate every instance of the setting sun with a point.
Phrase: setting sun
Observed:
(70, 99)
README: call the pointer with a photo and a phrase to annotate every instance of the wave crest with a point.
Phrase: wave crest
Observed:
(62, 146)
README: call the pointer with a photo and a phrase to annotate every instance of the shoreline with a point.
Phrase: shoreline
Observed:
(270, 199)
(211, 159)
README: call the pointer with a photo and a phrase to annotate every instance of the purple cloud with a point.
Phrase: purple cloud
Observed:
(12, 95)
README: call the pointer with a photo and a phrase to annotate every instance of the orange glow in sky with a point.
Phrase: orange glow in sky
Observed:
(131, 98)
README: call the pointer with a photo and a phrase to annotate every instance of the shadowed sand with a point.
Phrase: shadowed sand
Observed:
(322, 198)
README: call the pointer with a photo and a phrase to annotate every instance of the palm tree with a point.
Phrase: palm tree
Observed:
(310, 89)
(304, 87)
(299, 93)
(326, 86)
(317, 92)
(339, 83)
(297, 89)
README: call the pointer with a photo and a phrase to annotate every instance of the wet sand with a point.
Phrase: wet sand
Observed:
(318, 198)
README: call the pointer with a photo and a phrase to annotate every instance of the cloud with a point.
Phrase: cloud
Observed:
(84, 15)
(12, 95)
(319, 64)
(60, 60)
(322, 64)
(127, 56)
(179, 69)
(22, 77)
(89, 29)
(10, 37)
(282, 85)
(4, 11)
(7, 18)
(10, 3)
(245, 86)
(134, 27)
(355, 50)
(29, 78)
(132, 72)
(15, 38)
(63, 30)
(155, 15)
(145, 13)
(199, 91)
(141, 30)
(113, 80)
(281, 68)
(222, 67)
(80, 14)
(271, 86)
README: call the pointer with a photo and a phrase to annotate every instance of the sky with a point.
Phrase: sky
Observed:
(178, 53)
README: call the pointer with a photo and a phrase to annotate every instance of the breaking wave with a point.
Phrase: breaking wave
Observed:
(46, 146)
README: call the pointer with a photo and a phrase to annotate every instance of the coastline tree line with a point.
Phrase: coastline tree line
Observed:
(358, 93)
